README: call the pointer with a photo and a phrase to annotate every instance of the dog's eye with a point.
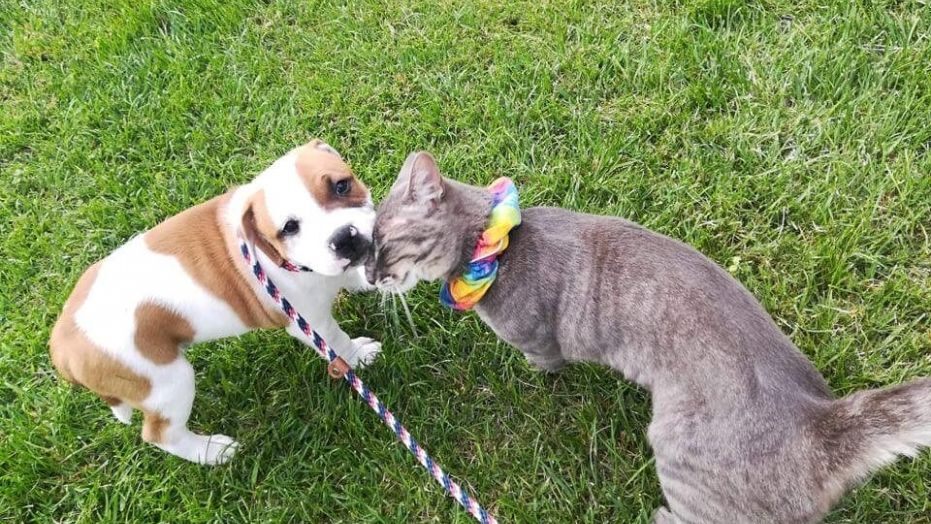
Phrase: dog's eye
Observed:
(342, 187)
(291, 227)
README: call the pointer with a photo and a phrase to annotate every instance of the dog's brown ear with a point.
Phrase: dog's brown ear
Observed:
(253, 234)
(323, 146)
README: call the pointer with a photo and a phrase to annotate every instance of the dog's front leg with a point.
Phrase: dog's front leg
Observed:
(355, 281)
(357, 352)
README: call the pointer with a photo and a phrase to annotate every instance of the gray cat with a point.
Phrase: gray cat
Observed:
(744, 428)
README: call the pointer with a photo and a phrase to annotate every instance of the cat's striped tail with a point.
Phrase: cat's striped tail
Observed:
(867, 430)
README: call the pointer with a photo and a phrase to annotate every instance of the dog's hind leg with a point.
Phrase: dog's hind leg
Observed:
(166, 413)
(121, 410)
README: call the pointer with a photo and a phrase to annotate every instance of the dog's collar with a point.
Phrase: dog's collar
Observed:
(295, 268)
(285, 264)
(464, 291)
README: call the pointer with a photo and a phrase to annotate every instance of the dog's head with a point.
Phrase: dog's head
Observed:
(309, 209)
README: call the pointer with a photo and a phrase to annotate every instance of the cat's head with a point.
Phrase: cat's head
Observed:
(419, 228)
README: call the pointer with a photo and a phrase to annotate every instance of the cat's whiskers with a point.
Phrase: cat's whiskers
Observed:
(407, 313)
(395, 320)
(396, 295)
(383, 299)
(391, 313)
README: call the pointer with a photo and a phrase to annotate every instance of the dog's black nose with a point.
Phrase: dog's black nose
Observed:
(348, 243)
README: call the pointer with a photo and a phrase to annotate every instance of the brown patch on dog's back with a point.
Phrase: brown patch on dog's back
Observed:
(196, 238)
(80, 361)
(320, 170)
(161, 333)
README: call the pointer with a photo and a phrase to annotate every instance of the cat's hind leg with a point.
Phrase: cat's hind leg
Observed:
(664, 516)
(546, 363)
(549, 360)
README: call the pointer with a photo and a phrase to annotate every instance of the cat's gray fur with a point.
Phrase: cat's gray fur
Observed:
(744, 428)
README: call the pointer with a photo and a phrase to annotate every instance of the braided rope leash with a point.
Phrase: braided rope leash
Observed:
(339, 369)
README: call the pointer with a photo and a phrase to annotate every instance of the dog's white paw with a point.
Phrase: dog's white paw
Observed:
(208, 450)
(364, 352)
(215, 449)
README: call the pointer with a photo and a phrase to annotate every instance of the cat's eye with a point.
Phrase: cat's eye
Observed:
(291, 227)
(342, 187)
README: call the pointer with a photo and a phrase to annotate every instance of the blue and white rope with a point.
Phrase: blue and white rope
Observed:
(455, 491)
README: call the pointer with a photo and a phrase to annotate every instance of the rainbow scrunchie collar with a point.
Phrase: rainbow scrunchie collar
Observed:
(464, 291)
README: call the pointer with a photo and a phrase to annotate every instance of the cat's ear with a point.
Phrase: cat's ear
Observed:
(422, 178)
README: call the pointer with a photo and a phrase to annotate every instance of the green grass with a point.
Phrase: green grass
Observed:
(788, 140)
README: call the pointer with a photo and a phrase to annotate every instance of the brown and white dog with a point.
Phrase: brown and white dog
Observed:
(125, 326)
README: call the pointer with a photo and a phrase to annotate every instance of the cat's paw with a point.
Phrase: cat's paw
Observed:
(664, 516)
(364, 351)
(545, 363)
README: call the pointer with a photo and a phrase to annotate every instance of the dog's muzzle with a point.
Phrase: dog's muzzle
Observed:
(348, 243)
